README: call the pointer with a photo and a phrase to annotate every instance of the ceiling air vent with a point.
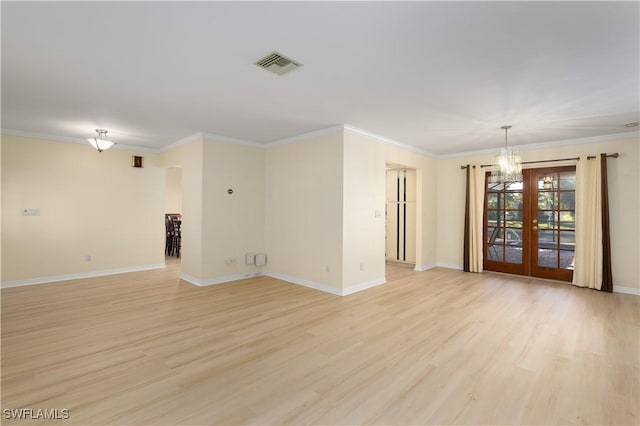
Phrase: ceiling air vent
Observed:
(278, 64)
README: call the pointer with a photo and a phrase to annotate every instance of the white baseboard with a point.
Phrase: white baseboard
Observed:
(325, 288)
(363, 286)
(450, 265)
(422, 268)
(218, 280)
(79, 275)
(616, 288)
(626, 290)
(305, 283)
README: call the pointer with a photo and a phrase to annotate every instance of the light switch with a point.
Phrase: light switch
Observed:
(378, 213)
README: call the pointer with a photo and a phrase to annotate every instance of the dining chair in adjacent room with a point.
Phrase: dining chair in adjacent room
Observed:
(168, 244)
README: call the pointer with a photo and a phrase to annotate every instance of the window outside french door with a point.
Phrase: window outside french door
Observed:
(530, 225)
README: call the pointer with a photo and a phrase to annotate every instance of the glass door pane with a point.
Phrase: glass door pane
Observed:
(504, 222)
(554, 229)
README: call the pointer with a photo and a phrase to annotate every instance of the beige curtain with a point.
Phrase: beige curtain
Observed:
(476, 211)
(588, 263)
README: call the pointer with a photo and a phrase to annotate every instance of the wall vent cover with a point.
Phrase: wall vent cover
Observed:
(278, 64)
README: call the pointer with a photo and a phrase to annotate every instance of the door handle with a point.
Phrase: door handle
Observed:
(535, 228)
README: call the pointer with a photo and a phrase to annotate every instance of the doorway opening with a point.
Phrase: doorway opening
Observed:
(173, 215)
(400, 217)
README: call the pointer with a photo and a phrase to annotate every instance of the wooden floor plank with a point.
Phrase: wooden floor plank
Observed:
(433, 347)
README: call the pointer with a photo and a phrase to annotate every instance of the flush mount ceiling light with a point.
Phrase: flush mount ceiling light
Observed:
(631, 124)
(101, 142)
(509, 163)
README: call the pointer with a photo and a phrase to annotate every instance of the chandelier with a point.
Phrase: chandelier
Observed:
(509, 164)
(101, 142)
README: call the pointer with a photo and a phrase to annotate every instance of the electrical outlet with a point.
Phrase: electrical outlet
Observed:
(261, 259)
(87, 258)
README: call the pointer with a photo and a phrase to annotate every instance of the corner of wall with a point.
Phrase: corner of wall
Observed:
(304, 226)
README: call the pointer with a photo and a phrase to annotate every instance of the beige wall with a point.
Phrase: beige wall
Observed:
(218, 229)
(173, 190)
(365, 161)
(364, 193)
(304, 210)
(427, 213)
(307, 204)
(425, 200)
(90, 203)
(322, 194)
(0, 209)
(624, 188)
(233, 224)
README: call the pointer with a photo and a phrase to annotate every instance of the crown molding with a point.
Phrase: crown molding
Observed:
(43, 136)
(218, 138)
(201, 136)
(184, 141)
(352, 129)
(542, 145)
(389, 141)
(303, 136)
(79, 141)
(329, 130)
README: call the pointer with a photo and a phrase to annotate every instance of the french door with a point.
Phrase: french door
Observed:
(529, 226)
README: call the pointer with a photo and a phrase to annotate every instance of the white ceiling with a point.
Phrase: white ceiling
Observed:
(441, 76)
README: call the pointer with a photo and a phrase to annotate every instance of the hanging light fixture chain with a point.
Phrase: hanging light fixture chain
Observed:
(506, 128)
(506, 145)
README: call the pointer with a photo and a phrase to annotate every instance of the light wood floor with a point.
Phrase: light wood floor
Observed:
(434, 347)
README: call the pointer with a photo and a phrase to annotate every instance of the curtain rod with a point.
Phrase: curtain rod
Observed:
(614, 155)
(590, 157)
